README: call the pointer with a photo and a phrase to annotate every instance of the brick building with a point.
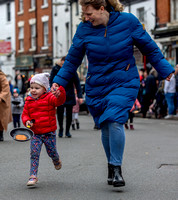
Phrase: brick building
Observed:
(34, 44)
(166, 29)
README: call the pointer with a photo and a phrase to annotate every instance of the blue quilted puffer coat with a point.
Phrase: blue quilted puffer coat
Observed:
(112, 81)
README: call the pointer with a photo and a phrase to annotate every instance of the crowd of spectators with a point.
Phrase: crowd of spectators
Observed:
(158, 97)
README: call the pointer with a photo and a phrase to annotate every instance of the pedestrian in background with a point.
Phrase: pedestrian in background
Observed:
(21, 83)
(17, 103)
(11, 87)
(149, 90)
(170, 94)
(108, 38)
(70, 99)
(5, 104)
(75, 113)
(40, 114)
(135, 107)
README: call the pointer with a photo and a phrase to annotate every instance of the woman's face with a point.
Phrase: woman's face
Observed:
(36, 90)
(93, 15)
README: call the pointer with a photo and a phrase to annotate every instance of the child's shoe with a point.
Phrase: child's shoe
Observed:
(131, 127)
(57, 164)
(126, 126)
(32, 180)
(73, 126)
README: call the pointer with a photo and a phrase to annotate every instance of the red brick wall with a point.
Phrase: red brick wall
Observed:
(38, 13)
(163, 11)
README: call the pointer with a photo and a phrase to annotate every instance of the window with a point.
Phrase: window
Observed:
(77, 8)
(45, 2)
(174, 10)
(8, 12)
(33, 36)
(20, 5)
(140, 14)
(33, 2)
(45, 35)
(21, 38)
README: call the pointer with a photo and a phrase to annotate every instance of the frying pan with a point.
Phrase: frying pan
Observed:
(21, 134)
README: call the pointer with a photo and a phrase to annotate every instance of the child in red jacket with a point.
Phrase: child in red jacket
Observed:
(136, 105)
(40, 114)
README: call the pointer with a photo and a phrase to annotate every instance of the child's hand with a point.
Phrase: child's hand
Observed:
(29, 124)
(80, 101)
(169, 77)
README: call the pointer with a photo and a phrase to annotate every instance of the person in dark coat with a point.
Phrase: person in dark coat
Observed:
(70, 99)
(150, 89)
(107, 36)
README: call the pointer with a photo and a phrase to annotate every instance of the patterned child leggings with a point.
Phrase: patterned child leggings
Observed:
(49, 140)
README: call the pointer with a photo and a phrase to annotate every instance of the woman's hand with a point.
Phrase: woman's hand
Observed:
(169, 77)
(54, 90)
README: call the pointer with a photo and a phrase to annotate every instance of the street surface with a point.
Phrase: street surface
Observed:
(150, 165)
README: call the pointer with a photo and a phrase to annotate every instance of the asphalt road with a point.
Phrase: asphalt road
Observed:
(150, 165)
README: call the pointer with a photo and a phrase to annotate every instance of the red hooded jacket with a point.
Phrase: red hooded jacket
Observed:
(43, 111)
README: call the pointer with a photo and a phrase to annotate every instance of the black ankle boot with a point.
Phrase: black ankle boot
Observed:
(60, 134)
(78, 126)
(110, 174)
(118, 180)
(1, 136)
(73, 126)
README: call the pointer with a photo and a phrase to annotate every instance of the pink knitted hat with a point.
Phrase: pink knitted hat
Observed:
(41, 79)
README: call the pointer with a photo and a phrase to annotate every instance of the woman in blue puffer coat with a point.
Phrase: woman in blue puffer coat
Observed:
(107, 38)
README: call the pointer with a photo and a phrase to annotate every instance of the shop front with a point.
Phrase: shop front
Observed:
(168, 38)
(25, 65)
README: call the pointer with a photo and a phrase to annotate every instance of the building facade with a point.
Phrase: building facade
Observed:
(34, 41)
(61, 28)
(7, 38)
(166, 29)
(145, 11)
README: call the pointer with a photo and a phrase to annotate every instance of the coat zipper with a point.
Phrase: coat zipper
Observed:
(105, 33)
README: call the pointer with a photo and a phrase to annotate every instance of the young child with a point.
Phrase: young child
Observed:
(40, 114)
(131, 114)
(75, 112)
(17, 107)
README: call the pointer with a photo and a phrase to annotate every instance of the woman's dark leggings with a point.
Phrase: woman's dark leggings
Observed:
(16, 120)
(60, 116)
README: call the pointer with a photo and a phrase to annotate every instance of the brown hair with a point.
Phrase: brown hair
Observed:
(63, 58)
